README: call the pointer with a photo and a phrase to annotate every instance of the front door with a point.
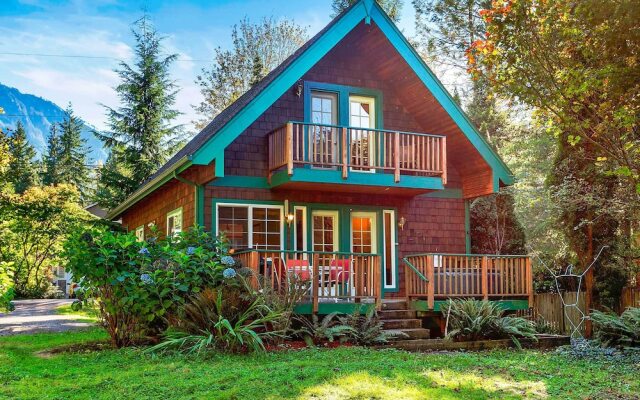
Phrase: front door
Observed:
(324, 233)
(363, 232)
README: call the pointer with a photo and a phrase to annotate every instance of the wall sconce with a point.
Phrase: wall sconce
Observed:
(297, 89)
(401, 223)
(290, 218)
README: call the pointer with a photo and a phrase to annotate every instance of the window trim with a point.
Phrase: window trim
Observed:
(250, 207)
(394, 243)
(174, 213)
(140, 236)
(294, 229)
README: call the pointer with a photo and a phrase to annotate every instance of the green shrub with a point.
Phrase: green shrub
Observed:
(613, 330)
(139, 283)
(230, 318)
(365, 330)
(315, 330)
(7, 292)
(471, 319)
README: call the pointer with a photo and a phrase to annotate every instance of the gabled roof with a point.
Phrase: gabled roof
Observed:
(209, 144)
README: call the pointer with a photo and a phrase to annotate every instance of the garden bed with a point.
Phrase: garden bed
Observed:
(543, 342)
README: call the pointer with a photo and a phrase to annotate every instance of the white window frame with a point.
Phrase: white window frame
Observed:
(250, 208)
(371, 101)
(304, 228)
(175, 213)
(336, 227)
(140, 233)
(394, 266)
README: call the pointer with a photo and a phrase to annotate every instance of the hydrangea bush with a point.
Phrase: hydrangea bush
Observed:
(139, 284)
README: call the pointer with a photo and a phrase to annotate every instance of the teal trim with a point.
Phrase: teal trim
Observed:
(391, 31)
(330, 176)
(281, 84)
(467, 226)
(507, 305)
(328, 308)
(322, 46)
(254, 182)
(199, 205)
(343, 92)
(219, 165)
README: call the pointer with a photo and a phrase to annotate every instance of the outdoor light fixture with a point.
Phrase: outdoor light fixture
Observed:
(401, 223)
(297, 89)
(290, 218)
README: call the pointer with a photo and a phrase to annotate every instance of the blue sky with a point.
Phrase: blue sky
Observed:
(101, 28)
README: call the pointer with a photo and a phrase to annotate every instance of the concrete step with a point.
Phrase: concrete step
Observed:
(397, 314)
(394, 305)
(406, 323)
(409, 334)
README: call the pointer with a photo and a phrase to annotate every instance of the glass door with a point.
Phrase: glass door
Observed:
(361, 120)
(363, 232)
(323, 133)
(324, 234)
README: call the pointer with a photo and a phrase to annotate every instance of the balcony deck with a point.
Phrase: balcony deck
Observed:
(303, 153)
(340, 281)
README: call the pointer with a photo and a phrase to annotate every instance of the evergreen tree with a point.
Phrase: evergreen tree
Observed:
(52, 158)
(5, 162)
(392, 7)
(141, 129)
(113, 176)
(73, 157)
(22, 171)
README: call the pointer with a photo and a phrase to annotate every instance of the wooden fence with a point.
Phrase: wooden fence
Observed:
(549, 307)
(630, 298)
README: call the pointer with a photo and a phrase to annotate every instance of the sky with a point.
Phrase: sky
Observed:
(93, 35)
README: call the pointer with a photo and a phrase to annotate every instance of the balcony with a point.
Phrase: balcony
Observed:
(304, 153)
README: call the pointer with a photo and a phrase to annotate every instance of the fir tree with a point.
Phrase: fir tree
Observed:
(73, 154)
(22, 171)
(392, 7)
(140, 128)
(52, 158)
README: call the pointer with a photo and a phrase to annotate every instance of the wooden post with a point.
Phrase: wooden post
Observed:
(529, 281)
(485, 278)
(444, 160)
(377, 284)
(396, 152)
(430, 283)
(344, 153)
(289, 148)
(316, 282)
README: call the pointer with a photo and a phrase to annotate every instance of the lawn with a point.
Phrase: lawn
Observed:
(88, 312)
(355, 373)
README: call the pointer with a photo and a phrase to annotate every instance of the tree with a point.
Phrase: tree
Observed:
(6, 159)
(74, 154)
(392, 7)
(22, 169)
(113, 176)
(257, 49)
(32, 227)
(52, 158)
(575, 65)
(141, 128)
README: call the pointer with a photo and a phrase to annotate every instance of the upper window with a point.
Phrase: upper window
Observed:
(140, 233)
(174, 222)
(251, 226)
(324, 108)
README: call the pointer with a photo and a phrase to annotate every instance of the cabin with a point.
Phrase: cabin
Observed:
(349, 169)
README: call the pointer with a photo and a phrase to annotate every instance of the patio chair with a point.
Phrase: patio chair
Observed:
(300, 269)
(339, 273)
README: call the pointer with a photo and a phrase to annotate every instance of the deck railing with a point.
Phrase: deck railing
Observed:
(323, 276)
(434, 276)
(357, 149)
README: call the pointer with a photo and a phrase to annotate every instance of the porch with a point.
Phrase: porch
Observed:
(343, 281)
(304, 153)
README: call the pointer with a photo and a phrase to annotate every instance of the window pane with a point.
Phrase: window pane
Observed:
(233, 222)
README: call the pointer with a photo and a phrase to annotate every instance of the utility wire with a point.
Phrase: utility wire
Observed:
(9, 53)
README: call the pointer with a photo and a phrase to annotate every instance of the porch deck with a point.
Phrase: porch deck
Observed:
(341, 281)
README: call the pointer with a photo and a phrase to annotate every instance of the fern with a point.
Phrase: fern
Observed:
(315, 330)
(611, 330)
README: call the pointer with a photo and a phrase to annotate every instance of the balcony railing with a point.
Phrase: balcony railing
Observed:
(324, 276)
(431, 276)
(357, 150)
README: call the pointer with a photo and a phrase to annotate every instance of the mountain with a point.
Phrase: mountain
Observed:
(37, 116)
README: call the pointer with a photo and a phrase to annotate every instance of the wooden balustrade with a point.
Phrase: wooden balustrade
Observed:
(357, 149)
(323, 276)
(434, 276)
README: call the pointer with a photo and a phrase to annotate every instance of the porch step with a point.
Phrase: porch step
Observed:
(388, 305)
(406, 323)
(396, 335)
(397, 314)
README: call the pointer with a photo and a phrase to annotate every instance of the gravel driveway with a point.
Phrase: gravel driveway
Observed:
(33, 316)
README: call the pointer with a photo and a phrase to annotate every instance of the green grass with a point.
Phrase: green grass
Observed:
(352, 373)
(87, 312)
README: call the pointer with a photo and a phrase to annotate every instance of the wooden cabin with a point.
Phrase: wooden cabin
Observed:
(349, 167)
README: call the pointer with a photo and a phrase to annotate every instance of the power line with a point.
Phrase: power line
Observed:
(8, 53)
